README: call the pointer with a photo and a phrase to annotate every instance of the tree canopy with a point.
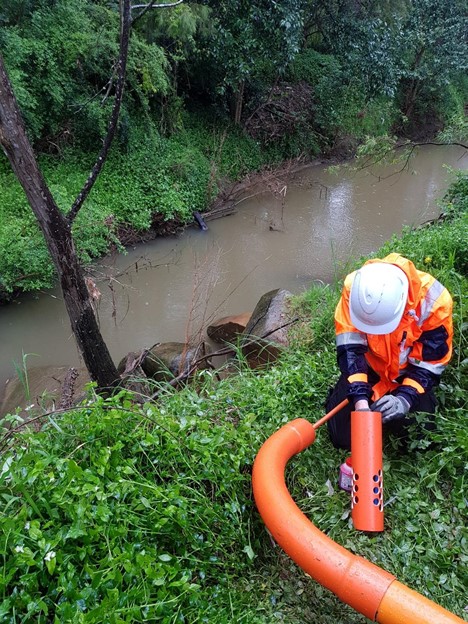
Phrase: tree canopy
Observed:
(60, 58)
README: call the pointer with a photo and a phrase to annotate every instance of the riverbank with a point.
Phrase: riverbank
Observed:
(165, 290)
(147, 512)
(230, 195)
(151, 189)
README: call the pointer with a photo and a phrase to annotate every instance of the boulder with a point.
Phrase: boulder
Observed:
(130, 362)
(133, 376)
(171, 359)
(228, 328)
(266, 333)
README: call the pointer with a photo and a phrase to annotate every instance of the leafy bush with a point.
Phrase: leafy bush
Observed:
(230, 151)
(59, 58)
(322, 71)
(24, 258)
(356, 116)
(456, 199)
(453, 98)
(342, 105)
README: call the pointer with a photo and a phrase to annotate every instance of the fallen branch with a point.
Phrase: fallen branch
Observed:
(68, 388)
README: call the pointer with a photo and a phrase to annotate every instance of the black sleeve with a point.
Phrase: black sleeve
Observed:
(434, 348)
(351, 361)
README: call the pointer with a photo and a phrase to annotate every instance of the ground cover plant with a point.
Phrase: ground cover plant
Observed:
(120, 512)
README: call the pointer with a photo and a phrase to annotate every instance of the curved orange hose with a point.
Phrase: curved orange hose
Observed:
(370, 590)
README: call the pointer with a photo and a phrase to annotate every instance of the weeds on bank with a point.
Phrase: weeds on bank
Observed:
(21, 370)
(147, 514)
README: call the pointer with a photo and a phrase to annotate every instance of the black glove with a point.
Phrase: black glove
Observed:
(391, 407)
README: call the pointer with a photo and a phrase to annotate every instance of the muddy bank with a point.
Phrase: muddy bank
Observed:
(228, 201)
(42, 389)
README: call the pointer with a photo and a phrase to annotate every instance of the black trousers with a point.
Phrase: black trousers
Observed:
(339, 427)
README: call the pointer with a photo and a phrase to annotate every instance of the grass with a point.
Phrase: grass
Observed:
(21, 370)
(116, 512)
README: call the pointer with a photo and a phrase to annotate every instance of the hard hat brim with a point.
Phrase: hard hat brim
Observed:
(376, 330)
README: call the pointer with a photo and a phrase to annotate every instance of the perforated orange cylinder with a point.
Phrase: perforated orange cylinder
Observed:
(366, 456)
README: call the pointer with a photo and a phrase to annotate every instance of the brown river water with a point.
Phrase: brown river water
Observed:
(171, 288)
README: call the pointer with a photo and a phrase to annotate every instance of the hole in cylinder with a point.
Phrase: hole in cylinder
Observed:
(356, 500)
(376, 490)
(376, 501)
(356, 477)
(375, 478)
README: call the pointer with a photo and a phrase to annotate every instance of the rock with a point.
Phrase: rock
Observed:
(171, 359)
(228, 328)
(133, 376)
(263, 342)
(137, 382)
(129, 362)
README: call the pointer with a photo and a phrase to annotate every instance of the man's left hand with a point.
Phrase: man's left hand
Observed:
(391, 407)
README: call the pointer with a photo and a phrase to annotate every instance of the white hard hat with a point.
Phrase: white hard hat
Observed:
(378, 298)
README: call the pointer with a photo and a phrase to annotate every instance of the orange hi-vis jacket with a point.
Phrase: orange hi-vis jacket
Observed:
(412, 358)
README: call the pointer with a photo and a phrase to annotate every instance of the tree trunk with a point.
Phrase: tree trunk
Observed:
(239, 102)
(414, 86)
(57, 233)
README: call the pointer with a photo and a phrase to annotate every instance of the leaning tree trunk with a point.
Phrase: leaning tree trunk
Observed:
(57, 233)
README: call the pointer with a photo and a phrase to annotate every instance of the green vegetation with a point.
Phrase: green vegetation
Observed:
(60, 58)
(213, 91)
(120, 512)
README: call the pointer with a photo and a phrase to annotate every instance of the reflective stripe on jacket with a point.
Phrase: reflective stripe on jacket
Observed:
(413, 357)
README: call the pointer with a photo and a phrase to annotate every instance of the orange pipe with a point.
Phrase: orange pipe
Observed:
(402, 605)
(366, 456)
(331, 413)
(364, 586)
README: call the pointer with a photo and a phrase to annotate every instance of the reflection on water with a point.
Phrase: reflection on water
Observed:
(170, 288)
